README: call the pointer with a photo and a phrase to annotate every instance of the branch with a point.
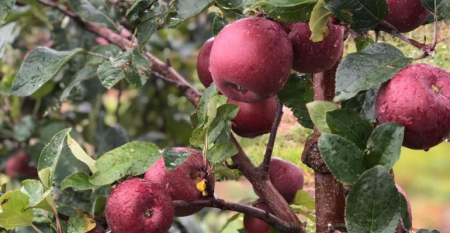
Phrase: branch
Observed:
(267, 217)
(273, 134)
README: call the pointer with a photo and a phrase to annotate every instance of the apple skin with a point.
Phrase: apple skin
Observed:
(411, 100)
(254, 119)
(19, 166)
(251, 59)
(255, 225)
(181, 183)
(400, 228)
(286, 177)
(313, 57)
(139, 206)
(203, 63)
(406, 15)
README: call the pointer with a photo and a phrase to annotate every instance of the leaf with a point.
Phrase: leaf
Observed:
(111, 137)
(190, 8)
(350, 125)
(80, 223)
(98, 207)
(9, 33)
(384, 146)
(39, 197)
(109, 75)
(222, 151)
(427, 231)
(12, 213)
(404, 211)
(306, 214)
(214, 103)
(109, 50)
(295, 95)
(145, 30)
(5, 7)
(133, 13)
(300, 12)
(230, 3)
(302, 198)
(80, 154)
(85, 73)
(361, 15)
(442, 7)
(231, 219)
(317, 111)
(39, 67)
(344, 159)
(174, 158)
(25, 128)
(133, 159)
(225, 114)
(209, 93)
(284, 3)
(218, 24)
(372, 204)
(360, 71)
(89, 13)
(319, 22)
(362, 42)
(78, 182)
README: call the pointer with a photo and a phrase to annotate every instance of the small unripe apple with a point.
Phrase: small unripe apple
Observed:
(251, 59)
(286, 177)
(254, 119)
(406, 15)
(255, 225)
(417, 98)
(313, 57)
(400, 228)
(181, 183)
(19, 166)
(203, 63)
(139, 206)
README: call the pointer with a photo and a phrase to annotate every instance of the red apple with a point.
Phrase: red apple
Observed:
(139, 206)
(286, 177)
(418, 98)
(406, 15)
(400, 228)
(313, 57)
(181, 183)
(255, 225)
(203, 63)
(251, 59)
(19, 166)
(254, 119)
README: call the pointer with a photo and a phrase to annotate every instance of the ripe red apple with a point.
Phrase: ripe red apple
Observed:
(181, 183)
(286, 177)
(19, 166)
(251, 59)
(313, 57)
(255, 225)
(203, 63)
(400, 228)
(254, 119)
(418, 97)
(139, 206)
(406, 15)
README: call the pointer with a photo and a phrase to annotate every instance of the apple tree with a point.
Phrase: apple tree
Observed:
(90, 162)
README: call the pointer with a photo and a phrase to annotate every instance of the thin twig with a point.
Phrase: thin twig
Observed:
(273, 135)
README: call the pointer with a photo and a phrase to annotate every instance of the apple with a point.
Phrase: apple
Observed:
(203, 63)
(286, 177)
(313, 57)
(181, 183)
(251, 59)
(406, 15)
(139, 206)
(254, 119)
(400, 228)
(417, 98)
(255, 225)
(97, 229)
(19, 166)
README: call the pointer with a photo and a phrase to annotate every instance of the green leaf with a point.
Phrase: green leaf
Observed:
(133, 14)
(319, 22)
(295, 95)
(232, 219)
(211, 109)
(39, 67)
(218, 24)
(109, 50)
(302, 198)
(362, 70)
(225, 114)
(39, 197)
(427, 231)
(222, 151)
(25, 128)
(78, 182)
(12, 213)
(209, 93)
(5, 7)
(442, 7)
(109, 75)
(344, 159)
(284, 3)
(145, 30)
(305, 213)
(300, 12)
(190, 8)
(384, 146)
(372, 204)
(350, 125)
(361, 15)
(85, 73)
(111, 138)
(80, 154)
(362, 42)
(98, 207)
(317, 111)
(80, 223)
(405, 212)
(174, 158)
(46, 177)
(133, 159)
(89, 13)
(230, 3)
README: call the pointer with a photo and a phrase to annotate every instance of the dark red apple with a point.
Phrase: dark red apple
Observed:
(181, 183)
(203, 63)
(255, 225)
(251, 59)
(406, 15)
(313, 57)
(400, 228)
(286, 177)
(139, 206)
(19, 166)
(254, 119)
(418, 97)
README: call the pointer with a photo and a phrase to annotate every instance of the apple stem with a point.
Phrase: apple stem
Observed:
(273, 134)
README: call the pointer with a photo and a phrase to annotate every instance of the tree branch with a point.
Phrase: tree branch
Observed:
(273, 134)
